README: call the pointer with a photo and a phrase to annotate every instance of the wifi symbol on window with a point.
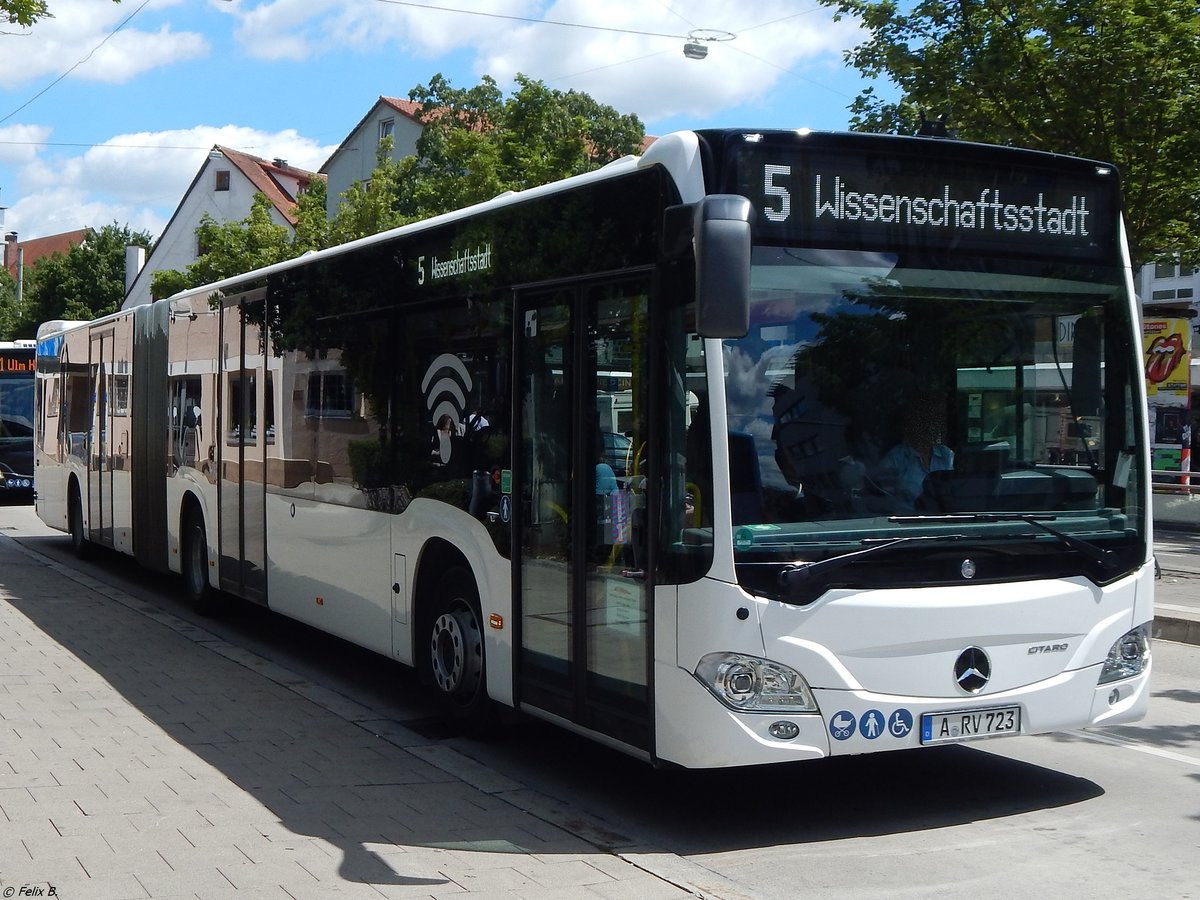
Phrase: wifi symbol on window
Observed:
(446, 386)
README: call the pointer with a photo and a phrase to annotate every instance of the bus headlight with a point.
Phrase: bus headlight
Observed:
(750, 684)
(1128, 656)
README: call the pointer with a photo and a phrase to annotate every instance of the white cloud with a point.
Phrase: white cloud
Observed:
(82, 31)
(18, 143)
(650, 74)
(627, 53)
(136, 179)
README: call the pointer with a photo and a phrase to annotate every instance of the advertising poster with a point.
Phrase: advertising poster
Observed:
(1166, 350)
(1166, 353)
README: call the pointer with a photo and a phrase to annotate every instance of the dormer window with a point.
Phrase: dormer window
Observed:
(222, 181)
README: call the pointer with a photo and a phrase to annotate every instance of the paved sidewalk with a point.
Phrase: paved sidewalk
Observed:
(143, 757)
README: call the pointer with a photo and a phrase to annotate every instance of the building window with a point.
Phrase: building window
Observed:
(330, 396)
(120, 395)
(222, 183)
(1168, 294)
(386, 128)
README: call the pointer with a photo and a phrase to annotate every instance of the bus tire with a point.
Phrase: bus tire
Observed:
(454, 656)
(80, 545)
(194, 565)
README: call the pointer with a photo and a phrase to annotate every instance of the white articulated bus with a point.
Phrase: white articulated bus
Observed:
(408, 441)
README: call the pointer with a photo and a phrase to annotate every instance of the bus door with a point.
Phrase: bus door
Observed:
(241, 444)
(583, 572)
(99, 487)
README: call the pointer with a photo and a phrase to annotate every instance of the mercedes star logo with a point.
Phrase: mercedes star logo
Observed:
(972, 670)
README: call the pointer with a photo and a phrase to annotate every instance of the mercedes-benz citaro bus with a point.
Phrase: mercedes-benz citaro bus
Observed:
(884, 478)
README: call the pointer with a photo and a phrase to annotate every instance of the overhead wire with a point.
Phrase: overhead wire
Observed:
(449, 9)
(107, 37)
(530, 20)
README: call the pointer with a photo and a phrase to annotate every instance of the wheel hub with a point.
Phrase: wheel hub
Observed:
(454, 652)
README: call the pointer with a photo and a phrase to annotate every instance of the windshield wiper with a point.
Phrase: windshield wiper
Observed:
(1106, 559)
(797, 575)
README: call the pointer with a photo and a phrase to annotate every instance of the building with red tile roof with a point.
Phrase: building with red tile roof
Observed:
(224, 188)
(29, 252)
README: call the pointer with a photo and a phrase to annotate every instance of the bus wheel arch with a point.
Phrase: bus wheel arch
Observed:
(449, 640)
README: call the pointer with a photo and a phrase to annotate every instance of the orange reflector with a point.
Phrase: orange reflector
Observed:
(496, 620)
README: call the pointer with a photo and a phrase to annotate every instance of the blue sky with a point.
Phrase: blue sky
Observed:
(107, 110)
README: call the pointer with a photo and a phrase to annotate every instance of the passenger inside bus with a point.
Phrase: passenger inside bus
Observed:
(902, 471)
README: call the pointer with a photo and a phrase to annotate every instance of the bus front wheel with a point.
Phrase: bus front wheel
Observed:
(454, 653)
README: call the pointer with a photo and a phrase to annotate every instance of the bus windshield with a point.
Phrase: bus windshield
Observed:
(881, 395)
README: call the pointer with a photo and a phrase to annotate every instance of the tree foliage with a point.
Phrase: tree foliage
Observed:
(231, 248)
(1115, 80)
(86, 282)
(369, 207)
(476, 143)
(26, 12)
(9, 314)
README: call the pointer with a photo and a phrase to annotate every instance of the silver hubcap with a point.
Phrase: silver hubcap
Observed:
(454, 648)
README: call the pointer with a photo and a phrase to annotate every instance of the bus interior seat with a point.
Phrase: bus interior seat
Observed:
(745, 479)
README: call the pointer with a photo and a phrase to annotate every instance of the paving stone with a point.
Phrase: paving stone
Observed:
(191, 767)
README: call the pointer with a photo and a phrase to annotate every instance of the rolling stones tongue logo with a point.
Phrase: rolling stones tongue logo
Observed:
(1163, 355)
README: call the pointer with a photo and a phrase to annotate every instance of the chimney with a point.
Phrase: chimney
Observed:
(135, 258)
(10, 247)
(280, 163)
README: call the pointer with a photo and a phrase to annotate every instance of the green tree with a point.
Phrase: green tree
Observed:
(231, 248)
(86, 282)
(312, 225)
(26, 12)
(228, 249)
(369, 207)
(476, 143)
(1116, 80)
(9, 314)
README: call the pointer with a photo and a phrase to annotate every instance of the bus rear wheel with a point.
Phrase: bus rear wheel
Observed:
(80, 545)
(454, 654)
(194, 558)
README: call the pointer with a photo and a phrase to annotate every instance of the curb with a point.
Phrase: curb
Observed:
(1176, 629)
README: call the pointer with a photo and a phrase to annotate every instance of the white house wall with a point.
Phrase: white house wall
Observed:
(355, 159)
(176, 248)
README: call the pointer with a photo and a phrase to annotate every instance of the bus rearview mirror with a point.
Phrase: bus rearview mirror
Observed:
(721, 238)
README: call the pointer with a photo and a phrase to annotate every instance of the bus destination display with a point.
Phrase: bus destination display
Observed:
(22, 361)
(857, 199)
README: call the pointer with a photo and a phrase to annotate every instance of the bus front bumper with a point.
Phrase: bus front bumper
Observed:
(695, 730)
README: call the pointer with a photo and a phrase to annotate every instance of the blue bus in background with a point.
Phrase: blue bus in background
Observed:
(16, 420)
